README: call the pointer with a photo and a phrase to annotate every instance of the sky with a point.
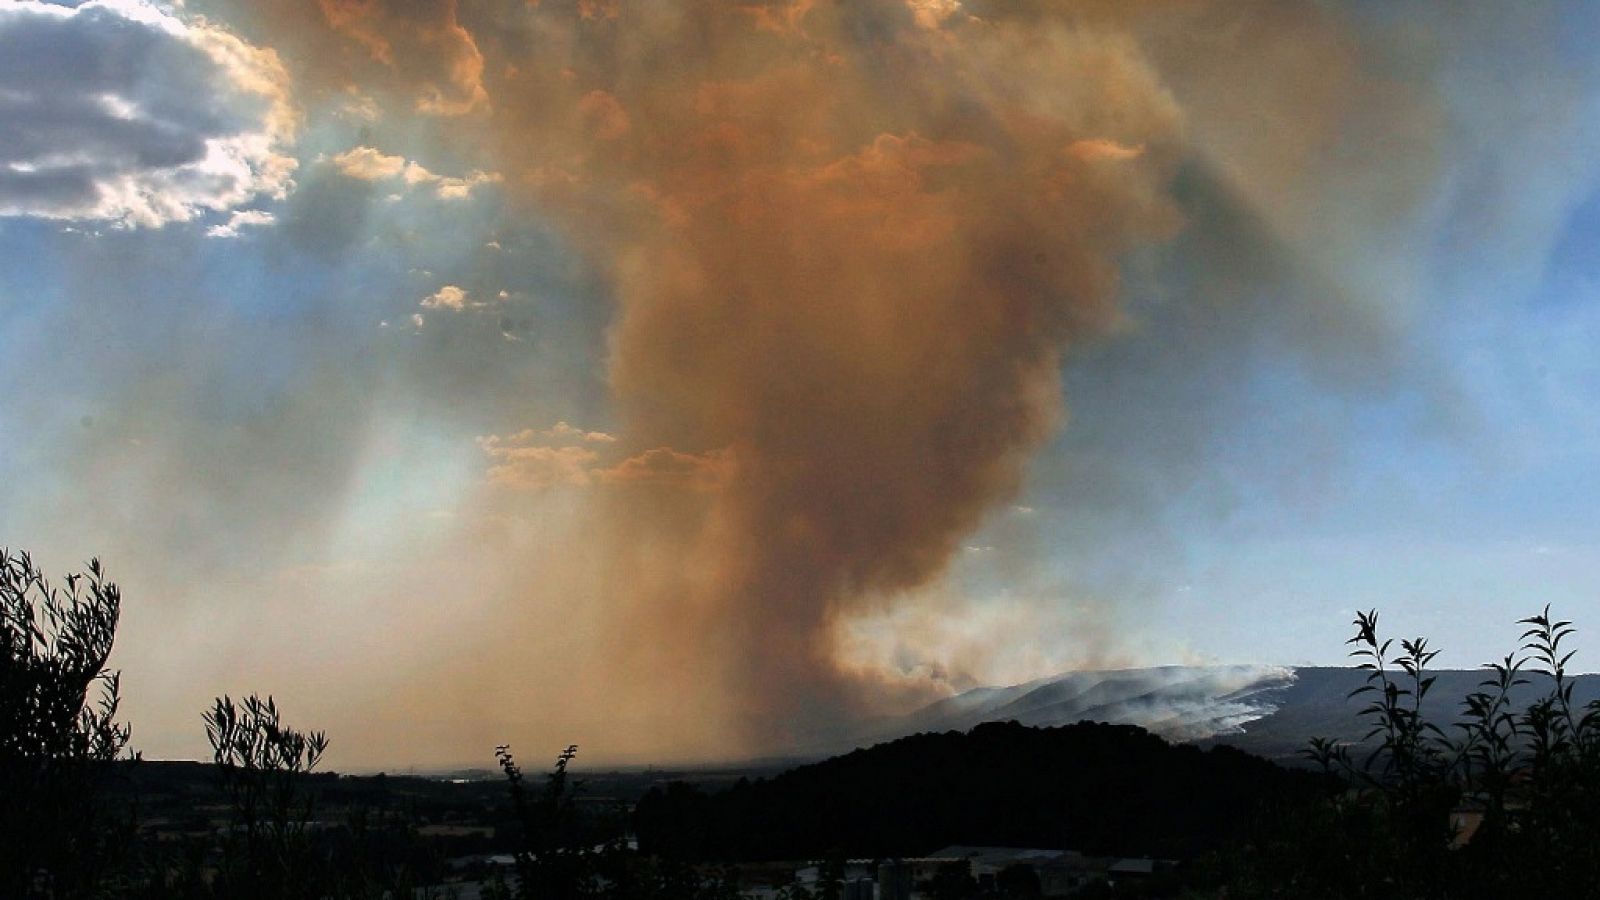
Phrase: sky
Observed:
(680, 379)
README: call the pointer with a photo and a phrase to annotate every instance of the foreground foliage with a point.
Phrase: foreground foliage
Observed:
(1502, 802)
(564, 858)
(59, 734)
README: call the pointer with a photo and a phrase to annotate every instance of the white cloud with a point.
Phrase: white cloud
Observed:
(458, 299)
(243, 218)
(369, 164)
(372, 164)
(447, 297)
(563, 454)
(461, 188)
(120, 111)
(538, 467)
(564, 431)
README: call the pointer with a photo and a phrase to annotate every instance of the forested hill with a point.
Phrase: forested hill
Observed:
(1113, 789)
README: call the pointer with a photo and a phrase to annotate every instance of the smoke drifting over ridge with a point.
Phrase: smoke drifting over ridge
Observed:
(849, 245)
(656, 375)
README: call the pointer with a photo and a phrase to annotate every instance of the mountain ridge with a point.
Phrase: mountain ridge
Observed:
(1272, 711)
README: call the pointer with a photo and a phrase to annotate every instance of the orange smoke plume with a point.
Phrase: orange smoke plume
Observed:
(849, 244)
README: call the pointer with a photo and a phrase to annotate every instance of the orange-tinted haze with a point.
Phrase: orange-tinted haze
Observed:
(849, 244)
(849, 249)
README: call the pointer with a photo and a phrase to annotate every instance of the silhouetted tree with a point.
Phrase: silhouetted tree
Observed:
(59, 734)
(1527, 778)
(564, 857)
(554, 862)
(262, 764)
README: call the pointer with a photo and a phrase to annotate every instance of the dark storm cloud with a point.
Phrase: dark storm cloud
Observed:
(124, 113)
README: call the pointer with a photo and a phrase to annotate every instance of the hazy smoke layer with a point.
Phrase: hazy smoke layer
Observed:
(848, 244)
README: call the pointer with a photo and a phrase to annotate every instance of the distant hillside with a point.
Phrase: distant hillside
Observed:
(1268, 710)
(1177, 702)
(1317, 704)
(1097, 788)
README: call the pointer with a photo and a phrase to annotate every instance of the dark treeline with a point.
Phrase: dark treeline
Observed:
(1113, 789)
(1499, 800)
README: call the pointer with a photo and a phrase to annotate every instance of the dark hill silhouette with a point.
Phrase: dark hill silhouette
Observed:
(1091, 787)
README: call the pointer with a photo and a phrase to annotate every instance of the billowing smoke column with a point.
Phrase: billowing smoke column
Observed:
(849, 244)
